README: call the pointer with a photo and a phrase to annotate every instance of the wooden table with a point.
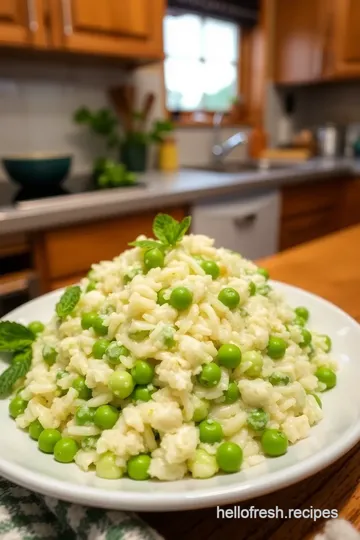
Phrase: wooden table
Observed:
(329, 267)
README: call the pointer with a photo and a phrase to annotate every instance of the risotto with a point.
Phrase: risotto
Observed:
(173, 359)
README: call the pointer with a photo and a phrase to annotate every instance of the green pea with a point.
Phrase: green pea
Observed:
(89, 443)
(80, 386)
(141, 393)
(299, 321)
(17, 406)
(328, 343)
(65, 450)
(263, 272)
(210, 431)
(181, 298)
(142, 372)
(139, 336)
(87, 320)
(138, 467)
(106, 467)
(36, 327)
(91, 286)
(306, 338)
(274, 443)
(276, 347)
(252, 288)
(84, 416)
(229, 457)
(100, 347)
(229, 355)
(210, 375)
(99, 326)
(255, 361)
(210, 268)
(201, 411)
(35, 429)
(121, 383)
(257, 419)
(279, 379)
(326, 376)
(161, 300)
(48, 439)
(232, 393)
(302, 312)
(114, 351)
(153, 258)
(229, 297)
(49, 355)
(106, 416)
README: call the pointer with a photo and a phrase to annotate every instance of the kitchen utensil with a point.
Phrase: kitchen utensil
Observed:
(22, 463)
(37, 170)
(330, 140)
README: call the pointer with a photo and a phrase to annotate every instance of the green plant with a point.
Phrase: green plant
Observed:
(102, 122)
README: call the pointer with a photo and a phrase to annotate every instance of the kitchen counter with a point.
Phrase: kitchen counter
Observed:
(310, 266)
(184, 187)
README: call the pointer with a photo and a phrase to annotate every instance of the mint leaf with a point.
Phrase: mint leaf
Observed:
(16, 371)
(147, 244)
(165, 229)
(14, 336)
(68, 301)
(182, 228)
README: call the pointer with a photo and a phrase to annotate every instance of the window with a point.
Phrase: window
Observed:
(201, 63)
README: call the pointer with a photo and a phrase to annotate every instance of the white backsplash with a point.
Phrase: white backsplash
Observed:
(37, 100)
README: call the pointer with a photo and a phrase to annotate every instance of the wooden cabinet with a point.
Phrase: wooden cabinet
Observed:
(21, 23)
(63, 256)
(315, 40)
(112, 27)
(310, 211)
(129, 29)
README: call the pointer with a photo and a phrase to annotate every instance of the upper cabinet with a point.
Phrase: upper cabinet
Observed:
(315, 40)
(21, 23)
(129, 29)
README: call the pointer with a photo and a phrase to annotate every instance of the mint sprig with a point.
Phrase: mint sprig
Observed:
(168, 232)
(68, 301)
(14, 336)
(19, 367)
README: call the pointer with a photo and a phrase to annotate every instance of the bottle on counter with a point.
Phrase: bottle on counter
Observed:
(168, 155)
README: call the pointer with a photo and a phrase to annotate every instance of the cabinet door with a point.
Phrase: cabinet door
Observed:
(128, 28)
(21, 22)
(347, 42)
(299, 40)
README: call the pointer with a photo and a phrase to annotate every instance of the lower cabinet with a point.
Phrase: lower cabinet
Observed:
(63, 256)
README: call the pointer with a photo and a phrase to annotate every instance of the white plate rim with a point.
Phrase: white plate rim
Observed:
(200, 498)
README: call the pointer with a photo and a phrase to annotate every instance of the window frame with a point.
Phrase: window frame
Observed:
(240, 113)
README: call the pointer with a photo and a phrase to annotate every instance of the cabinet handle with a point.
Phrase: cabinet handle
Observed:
(67, 19)
(33, 24)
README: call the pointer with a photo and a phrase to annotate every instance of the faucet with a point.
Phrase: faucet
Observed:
(221, 149)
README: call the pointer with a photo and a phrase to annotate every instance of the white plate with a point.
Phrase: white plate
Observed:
(21, 462)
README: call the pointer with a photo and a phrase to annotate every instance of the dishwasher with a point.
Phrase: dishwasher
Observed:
(249, 224)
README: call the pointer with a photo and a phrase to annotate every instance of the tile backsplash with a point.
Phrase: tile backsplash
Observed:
(37, 100)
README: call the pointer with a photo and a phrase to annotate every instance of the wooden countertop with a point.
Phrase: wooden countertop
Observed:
(329, 267)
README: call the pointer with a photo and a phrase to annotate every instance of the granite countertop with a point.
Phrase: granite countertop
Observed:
(186, 186)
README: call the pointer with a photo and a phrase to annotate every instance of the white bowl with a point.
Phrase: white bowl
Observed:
(21, 461)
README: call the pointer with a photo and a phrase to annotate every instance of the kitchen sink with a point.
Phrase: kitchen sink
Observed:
(246, 166)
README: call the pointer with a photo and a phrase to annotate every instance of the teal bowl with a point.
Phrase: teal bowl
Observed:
(37, 170)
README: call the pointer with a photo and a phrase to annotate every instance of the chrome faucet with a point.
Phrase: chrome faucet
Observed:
(221, 149)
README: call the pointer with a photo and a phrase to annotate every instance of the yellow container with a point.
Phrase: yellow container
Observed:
(168, 156)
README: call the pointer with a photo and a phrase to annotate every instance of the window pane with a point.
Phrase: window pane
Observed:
(220, 40)
(184, 84)
(183, 36)
(220, 85)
